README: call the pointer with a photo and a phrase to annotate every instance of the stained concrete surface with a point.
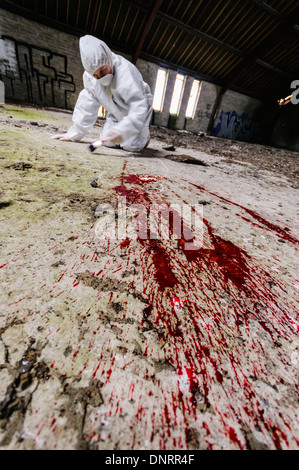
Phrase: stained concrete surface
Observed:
(140, 343)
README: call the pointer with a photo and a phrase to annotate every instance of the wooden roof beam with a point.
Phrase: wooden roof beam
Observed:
(188, 29)
(146, 29)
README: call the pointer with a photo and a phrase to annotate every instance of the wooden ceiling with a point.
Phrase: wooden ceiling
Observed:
(249, 46)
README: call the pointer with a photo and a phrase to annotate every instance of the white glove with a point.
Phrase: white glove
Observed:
(114, 137)
(62, 137)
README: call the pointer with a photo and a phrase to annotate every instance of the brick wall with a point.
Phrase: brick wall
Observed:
(38, 64)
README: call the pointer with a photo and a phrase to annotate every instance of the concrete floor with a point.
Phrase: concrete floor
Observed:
(135, 343)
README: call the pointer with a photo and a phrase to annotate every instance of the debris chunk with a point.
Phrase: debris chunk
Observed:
(169, 149)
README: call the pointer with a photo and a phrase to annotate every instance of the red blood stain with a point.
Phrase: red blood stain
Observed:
(233, 437)
(76, 353)
(177, 303)
(125, 243)
(141, 179)
(62, 275)
(206, 341)
(282, 232)
(227, 258)
(52, 423)
(133, 195)
(161, 260)
(206, 427)
(20, 300)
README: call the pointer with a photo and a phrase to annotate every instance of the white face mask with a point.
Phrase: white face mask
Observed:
(105, 81)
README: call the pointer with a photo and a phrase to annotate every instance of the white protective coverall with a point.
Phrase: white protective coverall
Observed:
(127, 99)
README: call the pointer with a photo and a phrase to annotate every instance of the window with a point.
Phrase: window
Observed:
(160, 89)
(177, 94)
(102, 112)
(193, 99)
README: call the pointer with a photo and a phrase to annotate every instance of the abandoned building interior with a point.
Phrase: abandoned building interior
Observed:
(149, 225)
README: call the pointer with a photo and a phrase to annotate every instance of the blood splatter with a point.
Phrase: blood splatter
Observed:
(228, 293)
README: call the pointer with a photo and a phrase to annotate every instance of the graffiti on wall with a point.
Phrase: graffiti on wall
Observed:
(238, 127)
(35, 74)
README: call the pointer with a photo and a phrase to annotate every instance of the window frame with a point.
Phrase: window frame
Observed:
(163, 93)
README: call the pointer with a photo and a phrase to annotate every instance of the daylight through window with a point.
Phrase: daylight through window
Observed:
(177, 94)
(160, 88)
(193, 99)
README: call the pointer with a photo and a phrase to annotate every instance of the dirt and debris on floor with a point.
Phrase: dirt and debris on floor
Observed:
(138, 342)
(258, 159)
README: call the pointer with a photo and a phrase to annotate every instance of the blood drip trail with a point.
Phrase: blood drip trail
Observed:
(265, 224)
(219, 339)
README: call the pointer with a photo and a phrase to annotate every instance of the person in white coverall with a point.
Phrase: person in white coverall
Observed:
(115, 83)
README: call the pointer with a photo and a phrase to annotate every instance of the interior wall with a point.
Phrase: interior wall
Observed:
(285, 133)
(241, 117)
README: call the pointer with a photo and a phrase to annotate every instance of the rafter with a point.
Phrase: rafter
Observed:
(146, 29)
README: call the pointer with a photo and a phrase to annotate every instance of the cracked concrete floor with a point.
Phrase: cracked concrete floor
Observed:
(140, 343)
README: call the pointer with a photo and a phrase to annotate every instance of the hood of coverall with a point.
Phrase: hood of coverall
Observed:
(94, 54)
